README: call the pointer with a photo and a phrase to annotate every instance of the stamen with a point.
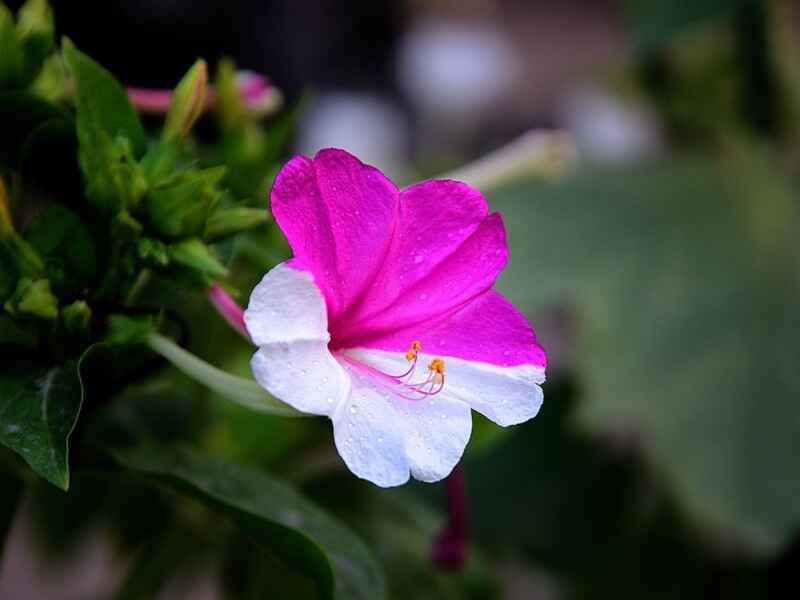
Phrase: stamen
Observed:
(412, 355)
(430, 386)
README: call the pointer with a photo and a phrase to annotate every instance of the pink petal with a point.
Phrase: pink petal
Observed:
(487, 329)
(338, 216)
(431, 293)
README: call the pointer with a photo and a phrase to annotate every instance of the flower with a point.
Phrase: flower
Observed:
(385, 319)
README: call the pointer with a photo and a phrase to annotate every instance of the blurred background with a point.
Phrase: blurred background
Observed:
(659, 268)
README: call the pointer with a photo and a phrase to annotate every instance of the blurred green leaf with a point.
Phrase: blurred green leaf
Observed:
(302, 534)
(67, 248)
(21, 113)
(656, 23)
(684, 277)
(35, 30)
(38, 410)
(33, 298)
(12, 59)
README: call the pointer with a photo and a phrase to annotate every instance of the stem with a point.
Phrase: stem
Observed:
(542, 154)
(237, 389)
(228, 309)
(450, 547)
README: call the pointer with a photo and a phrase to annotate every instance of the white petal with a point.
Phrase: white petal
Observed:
(286, 305)
(382, 435)
(369, 436)
(506, 395)
(287, 319)
(303, 374)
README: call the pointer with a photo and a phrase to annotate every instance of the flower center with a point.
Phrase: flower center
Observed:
(418, 390)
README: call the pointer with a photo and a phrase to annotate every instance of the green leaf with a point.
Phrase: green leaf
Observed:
(38, 410)
(181, 207)
(101, 102)
(684, 277)
(188, 102)
(110, 135)
(67, 248)
(33, 298)
(303, 535)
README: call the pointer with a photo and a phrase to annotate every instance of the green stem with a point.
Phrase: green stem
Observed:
(237, 389)
(536, 154)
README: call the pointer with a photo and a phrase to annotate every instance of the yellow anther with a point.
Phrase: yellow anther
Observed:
(413, 350)
(436, 365)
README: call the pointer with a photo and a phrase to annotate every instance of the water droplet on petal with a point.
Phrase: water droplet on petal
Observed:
(315, 363)
(304, 371)
(380, 439)
(324, 380)
(418, 259)
(423, 296)
(330, 400)
(353, 409)
(289, 365)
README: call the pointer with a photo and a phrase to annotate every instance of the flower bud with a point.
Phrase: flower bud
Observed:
(188, 102)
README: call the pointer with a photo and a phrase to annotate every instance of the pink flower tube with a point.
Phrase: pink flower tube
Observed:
(259, 95)
(385, 319)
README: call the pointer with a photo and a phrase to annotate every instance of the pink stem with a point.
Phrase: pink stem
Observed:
(228, 309)
(450, 547)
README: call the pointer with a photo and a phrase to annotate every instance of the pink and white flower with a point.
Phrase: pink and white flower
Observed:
(385, 319)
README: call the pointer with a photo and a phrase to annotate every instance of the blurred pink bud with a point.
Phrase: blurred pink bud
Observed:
(228, 309)
(260, 96)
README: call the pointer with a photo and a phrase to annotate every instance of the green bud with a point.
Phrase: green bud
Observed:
(33, 298)
(197, 257)
(153, 251)
(188, 102)
(228, 101)
(124, 330)
(228, 221)
(77, 317)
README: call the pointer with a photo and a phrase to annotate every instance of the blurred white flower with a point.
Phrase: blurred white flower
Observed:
(366, 124)
(452, 73)
(607, 129)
